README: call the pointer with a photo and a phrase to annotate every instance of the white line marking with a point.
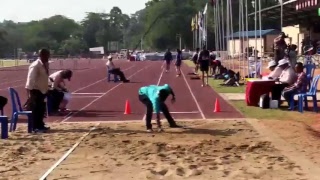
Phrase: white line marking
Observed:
(190, 112)
(84, 97)
(77, 89)
(194, 98)
(46, 174)
(137, 121)
(160, 77)
(89, 104)
(98, 81)
(87, 93)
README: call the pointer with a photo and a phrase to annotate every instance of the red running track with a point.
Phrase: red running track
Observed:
(95, 99)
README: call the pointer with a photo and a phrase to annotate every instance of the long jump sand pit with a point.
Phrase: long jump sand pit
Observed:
(205, 150)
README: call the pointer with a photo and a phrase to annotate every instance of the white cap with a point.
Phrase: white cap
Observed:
(109, 57)
(282, 62)
(272, 63)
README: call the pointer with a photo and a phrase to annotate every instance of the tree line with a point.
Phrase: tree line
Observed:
(155, 28)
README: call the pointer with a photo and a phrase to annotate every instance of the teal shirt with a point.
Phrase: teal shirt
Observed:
(152, 92)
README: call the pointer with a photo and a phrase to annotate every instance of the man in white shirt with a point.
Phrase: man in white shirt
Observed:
(37, 87)
(114, 70)
(287, 78)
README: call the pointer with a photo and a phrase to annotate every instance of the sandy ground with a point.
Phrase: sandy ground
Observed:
(204, 150)
(27, 156)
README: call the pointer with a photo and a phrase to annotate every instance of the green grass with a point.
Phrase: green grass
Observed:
(215, 83)
(11, 63)
(273, 114)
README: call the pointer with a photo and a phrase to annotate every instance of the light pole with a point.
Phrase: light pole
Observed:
(179, 36)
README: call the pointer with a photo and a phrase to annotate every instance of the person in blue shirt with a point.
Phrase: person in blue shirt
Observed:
(154, 97)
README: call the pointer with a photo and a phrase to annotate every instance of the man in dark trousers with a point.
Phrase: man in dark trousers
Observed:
(154, 97)
(37, 88)
(168, 58)
(204, 63)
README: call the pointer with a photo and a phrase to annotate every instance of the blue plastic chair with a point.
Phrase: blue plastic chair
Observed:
(309, 69)
(4, 127)
(303, 98)
(115, 77)
(17, 110)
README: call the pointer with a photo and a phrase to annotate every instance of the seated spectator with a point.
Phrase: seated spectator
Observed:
(287, 78)
(214, 65)
(271, 66)
(300, 86)
(58, 91)
(275, 70)
(115, 70)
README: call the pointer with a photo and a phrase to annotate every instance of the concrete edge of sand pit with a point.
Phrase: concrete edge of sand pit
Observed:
(311, 169)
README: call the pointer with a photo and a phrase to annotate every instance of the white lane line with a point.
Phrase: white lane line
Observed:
(187, 112)
(64, 157)
(87, 93)
(74, 97)
(77, 89)
(193, 96)
(83, 108)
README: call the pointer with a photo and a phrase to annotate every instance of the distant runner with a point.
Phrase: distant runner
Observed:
(195, 61)
(168, 58)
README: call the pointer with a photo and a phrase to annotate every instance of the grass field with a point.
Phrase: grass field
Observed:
(11, 63)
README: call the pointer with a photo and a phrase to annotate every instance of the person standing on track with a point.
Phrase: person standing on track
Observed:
(178, 62)
(204, 62)
(154, 97)
(37, 88)
(168, 58)
(195, 61)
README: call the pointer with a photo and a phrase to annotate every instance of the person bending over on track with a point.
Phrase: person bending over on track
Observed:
(204, 62)
(154, 97)
(168, 58)
(178, 62)
(195, 61)
(59, 91)
(114, 70)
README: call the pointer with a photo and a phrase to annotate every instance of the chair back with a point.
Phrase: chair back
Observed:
(314, 85)
(15, 100)
(310, 68)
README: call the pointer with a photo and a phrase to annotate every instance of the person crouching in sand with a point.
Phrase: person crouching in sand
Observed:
(154, 97)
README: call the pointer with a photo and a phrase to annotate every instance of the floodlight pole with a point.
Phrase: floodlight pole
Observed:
(179, 36)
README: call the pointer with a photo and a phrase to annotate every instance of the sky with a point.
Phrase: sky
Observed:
(28, 10)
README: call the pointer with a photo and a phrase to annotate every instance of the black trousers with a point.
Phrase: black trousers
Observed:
(38, 107)
(119, 73)
(163, 107)
(55, 98)
(3, 102)
(277, 91)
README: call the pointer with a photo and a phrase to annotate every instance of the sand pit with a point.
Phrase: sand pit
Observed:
(27, 156)
(206, 150)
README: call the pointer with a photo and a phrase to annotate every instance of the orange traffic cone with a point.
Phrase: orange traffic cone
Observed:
(127, 109)
(217, 106)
